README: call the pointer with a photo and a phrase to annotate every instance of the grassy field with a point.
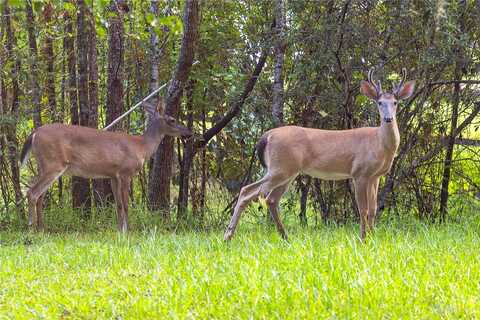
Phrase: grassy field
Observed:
(406, 270)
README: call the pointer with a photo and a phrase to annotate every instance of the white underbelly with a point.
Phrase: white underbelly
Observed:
(327, 175)
(77, 172)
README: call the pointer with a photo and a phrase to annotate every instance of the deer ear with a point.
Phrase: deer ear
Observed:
(161, 106)
(149, 108)
(406, 90)
(368, 90)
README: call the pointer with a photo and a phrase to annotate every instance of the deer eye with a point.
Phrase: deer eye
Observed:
(395, 103)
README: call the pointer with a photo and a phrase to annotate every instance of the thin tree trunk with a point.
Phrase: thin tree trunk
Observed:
(279, 49)
(49, 55)
(69, 48)
(203, 160)
(34, 83)
(188, 154)
(154, 53)
(154, 76)
(80, 186)
(49, 83)
(97, 184)
(459, 66)
(159, 184)
(11, 128)
(116, 34)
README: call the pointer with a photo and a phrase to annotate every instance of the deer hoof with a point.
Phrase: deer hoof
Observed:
(228, 235)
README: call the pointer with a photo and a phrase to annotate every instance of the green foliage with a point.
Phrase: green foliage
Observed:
(405, 270)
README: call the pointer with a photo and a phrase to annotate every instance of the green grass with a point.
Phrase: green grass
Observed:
(405, 270)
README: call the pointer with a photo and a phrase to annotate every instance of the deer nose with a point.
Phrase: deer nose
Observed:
(388, 119)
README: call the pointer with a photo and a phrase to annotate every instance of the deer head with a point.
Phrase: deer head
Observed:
(387, 102)
(164, 124)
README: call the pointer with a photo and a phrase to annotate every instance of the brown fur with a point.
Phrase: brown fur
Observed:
(362, 154)
(90, 153)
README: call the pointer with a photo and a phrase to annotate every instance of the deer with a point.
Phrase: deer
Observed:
(91, 153)
(362, 154)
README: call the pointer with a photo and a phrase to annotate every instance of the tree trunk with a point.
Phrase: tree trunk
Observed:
(459, 67)
(34, 83)
(80, 186)
(69, 48)
(204, 173)
(159, 184)
(13, 62)
(279, 49)
(49, 56)
(116, 34)
(49, 84)
(97, 184)
(188, 154)
(154, 53)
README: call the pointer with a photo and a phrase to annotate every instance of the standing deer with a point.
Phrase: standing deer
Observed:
(91, 153)
(362, 154)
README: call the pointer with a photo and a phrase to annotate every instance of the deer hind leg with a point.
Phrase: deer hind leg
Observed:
(40, 212)
(247, 194)
(117, 194)
(372, 203)
(273, 200)
(361, 196)
(35, 194)
(125, 194)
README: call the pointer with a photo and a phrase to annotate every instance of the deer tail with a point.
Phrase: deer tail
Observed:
(260, 147)
(27, 147)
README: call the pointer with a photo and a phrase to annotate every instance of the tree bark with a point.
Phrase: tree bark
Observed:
(459, 67)
(116, 35)
(81, 187)
(97, 184)
(188, 154)
(13, 62)
(279, 52)
(159, 184)
(69, 49)
(49, 55)
(34, 83)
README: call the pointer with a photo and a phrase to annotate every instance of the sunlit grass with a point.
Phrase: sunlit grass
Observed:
(407, 269)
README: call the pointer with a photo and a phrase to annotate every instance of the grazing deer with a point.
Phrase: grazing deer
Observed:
(362, 154)
(91, 153)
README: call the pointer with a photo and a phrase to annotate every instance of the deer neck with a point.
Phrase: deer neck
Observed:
(389, 135)
(152, 138)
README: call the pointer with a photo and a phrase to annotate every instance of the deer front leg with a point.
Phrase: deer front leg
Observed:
(117, 194)
(372, 204)
(273, 200)
(125, 194)
(361, 196)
